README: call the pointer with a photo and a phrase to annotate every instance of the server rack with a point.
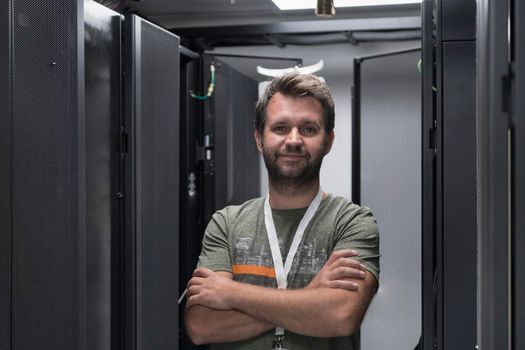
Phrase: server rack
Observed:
(43, 184)
(228, 138)
(456, 231)
(70, 175)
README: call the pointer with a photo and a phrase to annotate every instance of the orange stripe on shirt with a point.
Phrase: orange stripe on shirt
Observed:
(253, 270)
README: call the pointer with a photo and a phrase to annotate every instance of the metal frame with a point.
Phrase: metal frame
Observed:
(493, 175)
(104, 220)
(438, 199)
(191, 204)
(518, 179)
(130, 288)
(356, 119)
(295, 27)
(428, 189)
(187, 54)
(298, 60)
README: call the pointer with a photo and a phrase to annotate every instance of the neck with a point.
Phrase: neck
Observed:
(292, 197)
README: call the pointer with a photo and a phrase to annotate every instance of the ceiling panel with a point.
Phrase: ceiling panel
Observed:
(205, 13)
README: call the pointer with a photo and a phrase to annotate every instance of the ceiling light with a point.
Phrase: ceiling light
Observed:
(325, 8)
(310, 4)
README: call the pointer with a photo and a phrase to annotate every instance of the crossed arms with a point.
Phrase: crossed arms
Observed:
(333, 304)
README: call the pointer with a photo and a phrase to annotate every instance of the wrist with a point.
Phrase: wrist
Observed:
(231, 291)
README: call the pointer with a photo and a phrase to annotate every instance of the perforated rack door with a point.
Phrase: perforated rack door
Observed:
(5, 178)
(152, 185)
(46, 151)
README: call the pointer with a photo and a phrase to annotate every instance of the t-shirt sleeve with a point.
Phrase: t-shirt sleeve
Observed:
(357, 229)
(215, 252)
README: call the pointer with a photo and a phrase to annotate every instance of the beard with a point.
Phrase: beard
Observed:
(293, 177)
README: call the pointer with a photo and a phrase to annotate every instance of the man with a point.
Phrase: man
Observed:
(320, 250)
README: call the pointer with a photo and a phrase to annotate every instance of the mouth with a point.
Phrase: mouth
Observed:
(292, 156)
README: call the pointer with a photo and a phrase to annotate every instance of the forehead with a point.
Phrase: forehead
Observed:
(284, 108)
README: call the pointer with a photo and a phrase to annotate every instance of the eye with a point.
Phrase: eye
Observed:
(309, 130)
(279, 129)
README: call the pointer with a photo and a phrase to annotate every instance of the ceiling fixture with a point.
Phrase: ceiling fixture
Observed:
(310, 4)
(325, 8)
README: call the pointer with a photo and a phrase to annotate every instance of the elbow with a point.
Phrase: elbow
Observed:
(195, 331)
(348, 323)
(195, 334)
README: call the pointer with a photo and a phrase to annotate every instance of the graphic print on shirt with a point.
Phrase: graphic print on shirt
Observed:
(252, 260)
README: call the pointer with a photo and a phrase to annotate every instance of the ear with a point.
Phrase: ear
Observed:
(258, 140)
(329, 142)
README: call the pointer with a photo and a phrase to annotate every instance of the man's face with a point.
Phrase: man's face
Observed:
(294, 140)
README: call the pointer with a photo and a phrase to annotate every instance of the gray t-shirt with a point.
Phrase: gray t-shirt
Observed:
(236, 241)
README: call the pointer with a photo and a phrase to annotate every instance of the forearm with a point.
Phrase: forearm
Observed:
(205, 325)
(318, 312)
(312, 312)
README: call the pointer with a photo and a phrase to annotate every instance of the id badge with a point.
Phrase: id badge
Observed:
(277, 343)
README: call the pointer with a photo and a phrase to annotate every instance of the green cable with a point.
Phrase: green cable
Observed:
(211, 87)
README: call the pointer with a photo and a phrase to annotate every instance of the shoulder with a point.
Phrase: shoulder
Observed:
(345, 214)
(232, 213)
(341, 206)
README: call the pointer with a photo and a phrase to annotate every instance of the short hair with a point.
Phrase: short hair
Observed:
(297, 85)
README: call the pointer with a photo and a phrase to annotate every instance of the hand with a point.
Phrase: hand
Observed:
(210, 289)
(340, 271)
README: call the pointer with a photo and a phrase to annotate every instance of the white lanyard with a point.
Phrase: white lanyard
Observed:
(281, 271)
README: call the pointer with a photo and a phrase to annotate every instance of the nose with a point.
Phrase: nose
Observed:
(294, 138)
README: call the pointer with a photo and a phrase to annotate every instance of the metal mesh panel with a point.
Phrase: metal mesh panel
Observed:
(5, 180)
(45, 176)
(158, 126)
(391, 186)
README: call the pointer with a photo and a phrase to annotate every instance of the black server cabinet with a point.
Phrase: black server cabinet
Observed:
(63, 246)
(42, 181)
(456, 205)
(449, 175)
(151, 186)
(231, 174)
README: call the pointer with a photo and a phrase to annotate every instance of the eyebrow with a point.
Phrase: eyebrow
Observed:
(303, 122)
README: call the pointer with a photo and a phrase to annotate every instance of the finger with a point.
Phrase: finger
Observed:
(349, 262)
(192, 301)
(202, 272)
(343, 253)
(342, 284)
(346, 272)
(193, 290)
(195, 281)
